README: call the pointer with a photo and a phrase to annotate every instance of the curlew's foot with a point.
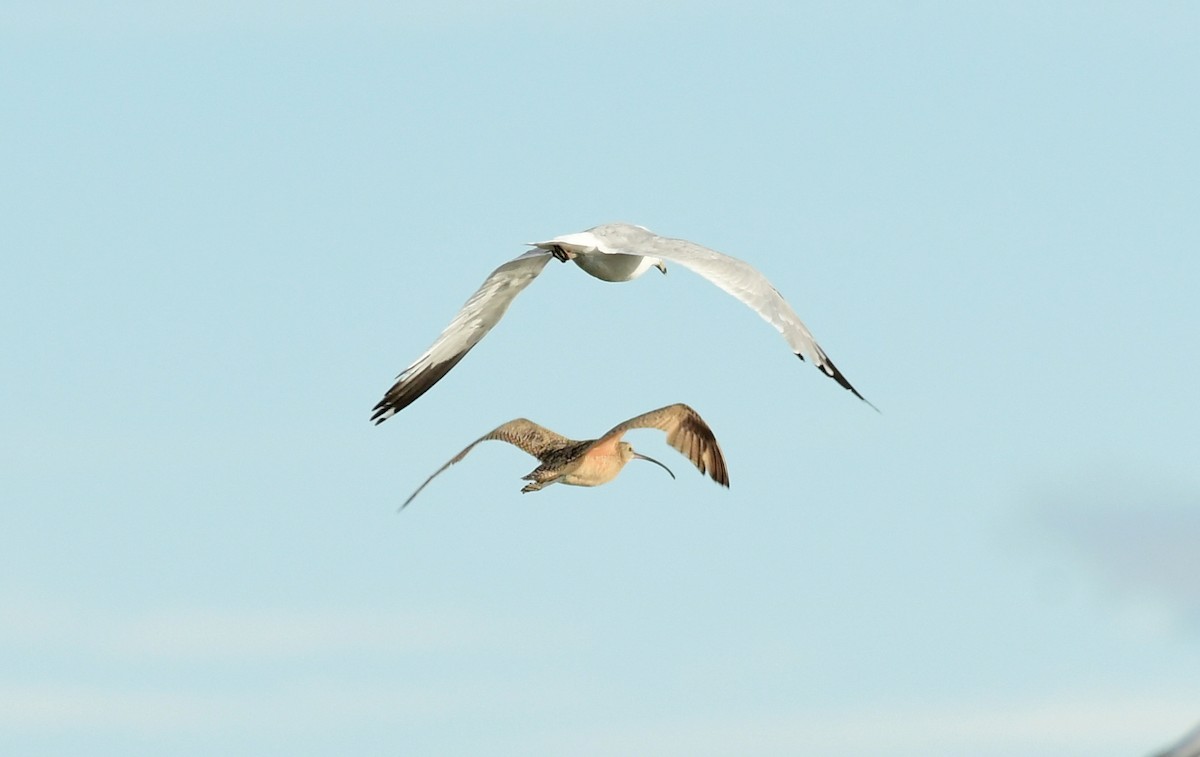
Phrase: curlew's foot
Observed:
(531, 487)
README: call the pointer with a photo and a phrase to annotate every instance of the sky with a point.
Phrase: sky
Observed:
(227, 227)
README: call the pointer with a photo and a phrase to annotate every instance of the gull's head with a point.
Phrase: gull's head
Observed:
(627, 454)
(646, 263)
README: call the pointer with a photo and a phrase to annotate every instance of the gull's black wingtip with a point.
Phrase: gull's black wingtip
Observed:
(380, 413)
(388, 406)
(831, 370)
(408, 389)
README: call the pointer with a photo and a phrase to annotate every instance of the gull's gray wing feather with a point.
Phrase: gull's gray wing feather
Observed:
(521, 432)
(735, 276)
(686, 432)
(476, 318)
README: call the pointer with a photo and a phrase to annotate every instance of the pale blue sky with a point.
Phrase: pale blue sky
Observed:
(226, 229)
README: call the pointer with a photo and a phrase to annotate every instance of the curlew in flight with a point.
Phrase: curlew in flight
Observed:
(598, 461)
(612, 252)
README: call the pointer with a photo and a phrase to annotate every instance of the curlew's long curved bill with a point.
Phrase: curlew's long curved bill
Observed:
(686, 431)
(640, 456)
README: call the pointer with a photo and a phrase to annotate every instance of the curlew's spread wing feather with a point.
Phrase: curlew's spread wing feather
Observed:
(476, 318)
(686, 432)
(521, 432)
(735, 276)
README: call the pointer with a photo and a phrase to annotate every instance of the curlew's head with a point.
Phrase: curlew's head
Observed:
(627, 454)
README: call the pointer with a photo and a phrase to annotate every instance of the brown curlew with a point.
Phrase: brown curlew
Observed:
(598, 461)
(612, 252)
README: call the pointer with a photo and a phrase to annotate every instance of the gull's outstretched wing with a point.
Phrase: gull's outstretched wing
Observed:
(736, 277)
(477, 317)
(529, 436)
(686, 432)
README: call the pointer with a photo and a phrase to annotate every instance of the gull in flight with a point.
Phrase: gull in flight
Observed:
(612, 252)
(598, 461)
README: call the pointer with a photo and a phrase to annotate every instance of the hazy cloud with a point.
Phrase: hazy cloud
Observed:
(264, 634)
(344, 667)
(1143, 544)
(310, 704)
(1075, 724)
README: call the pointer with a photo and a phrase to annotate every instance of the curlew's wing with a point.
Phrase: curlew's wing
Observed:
(529, 436)
(736, 277)
(477, 317)
(686, 432)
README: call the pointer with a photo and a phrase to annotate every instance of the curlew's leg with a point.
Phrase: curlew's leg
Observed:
(531, 487)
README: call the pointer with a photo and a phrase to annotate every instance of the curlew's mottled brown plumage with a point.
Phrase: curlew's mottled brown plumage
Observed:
(598, 461)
